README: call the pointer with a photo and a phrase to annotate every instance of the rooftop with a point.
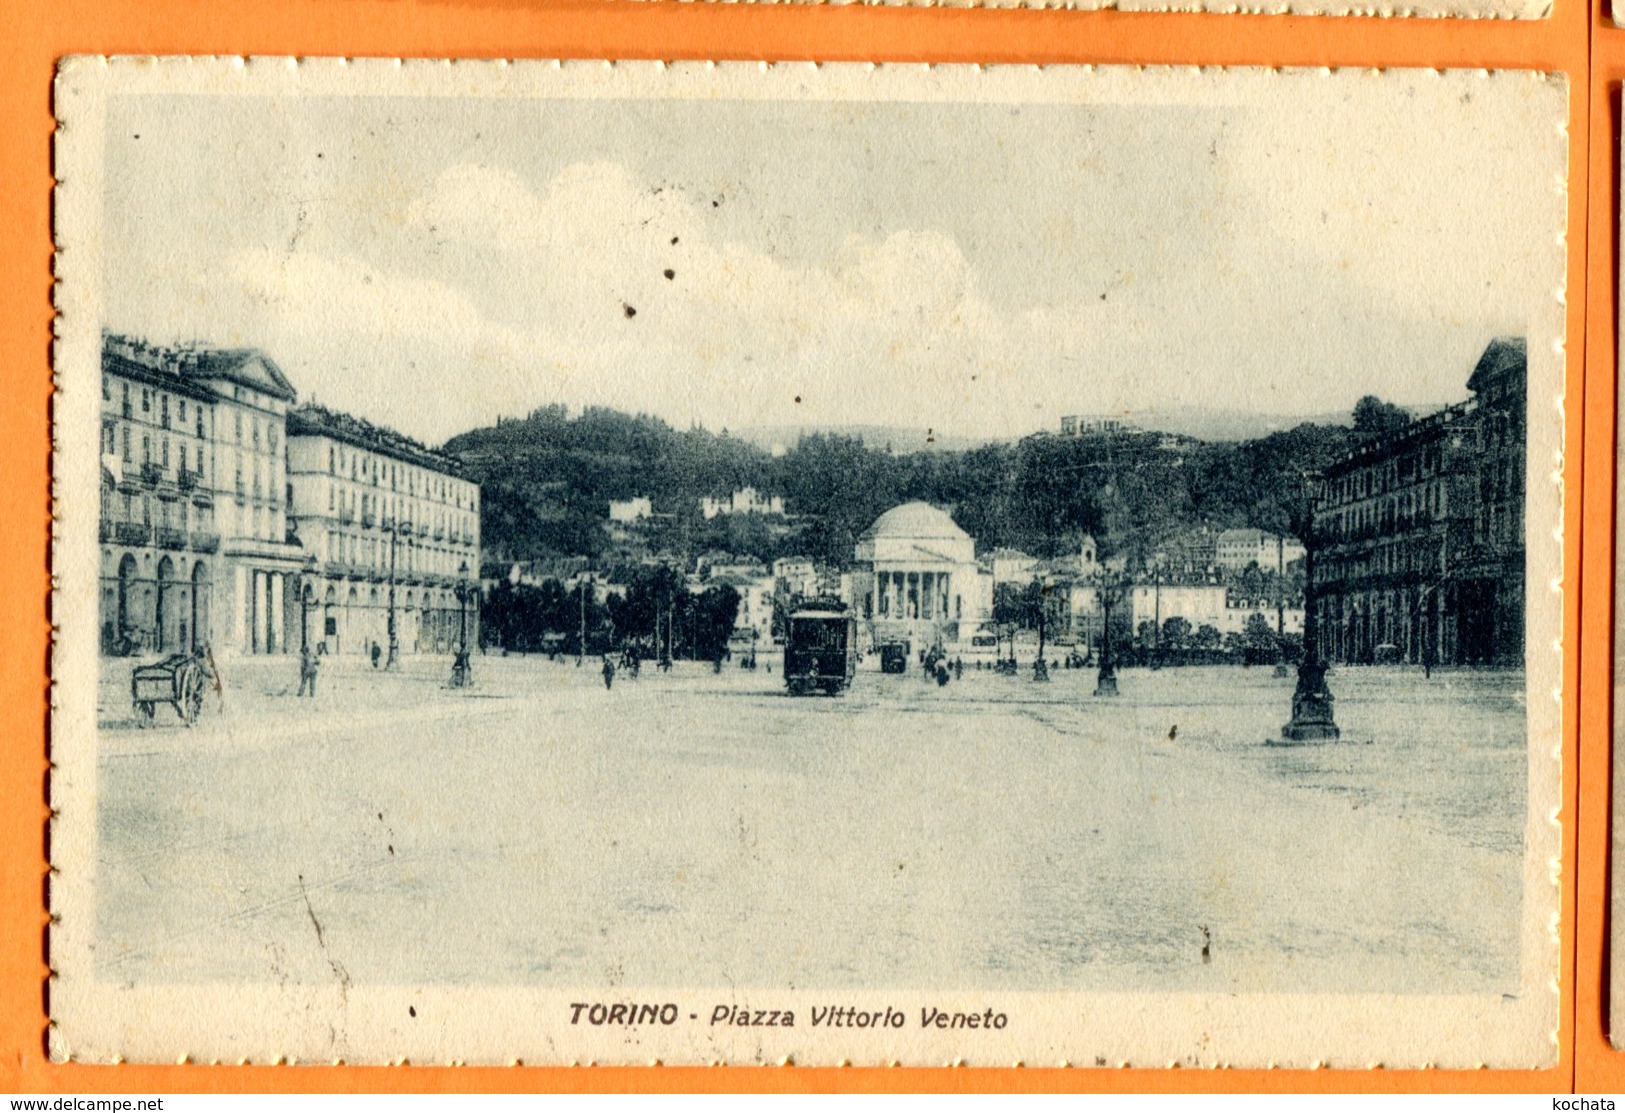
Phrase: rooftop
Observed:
(196, 364)
(312, 420)
(916, 521)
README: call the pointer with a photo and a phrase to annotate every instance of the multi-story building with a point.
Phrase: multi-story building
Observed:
(627, 511)
(159, 539)
(249, 476)
(746, 500)
(201, 542)
(1096, 425)
(1236, 549)
(1011, 566)
(796, 576)
(1418, 539)
(192, 525)
(391, 528)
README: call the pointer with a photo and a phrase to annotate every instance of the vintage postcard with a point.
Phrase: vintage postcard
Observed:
(615, 563)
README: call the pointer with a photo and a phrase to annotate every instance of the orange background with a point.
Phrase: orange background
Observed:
(34, 33)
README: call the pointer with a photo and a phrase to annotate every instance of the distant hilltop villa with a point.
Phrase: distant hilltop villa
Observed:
(746, 500)
(1095, 425)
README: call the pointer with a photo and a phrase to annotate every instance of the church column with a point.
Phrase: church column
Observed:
(926, 597)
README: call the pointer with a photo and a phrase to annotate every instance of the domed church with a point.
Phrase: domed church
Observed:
(915, 577)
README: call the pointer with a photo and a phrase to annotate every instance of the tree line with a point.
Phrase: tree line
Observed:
(656, 617)
(547, 480)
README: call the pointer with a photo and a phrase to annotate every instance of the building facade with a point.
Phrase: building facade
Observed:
(746, 500)
(392, 532)
(1095, 425)
(1236, 549)
(212, 520)
(193, 529)
(1418, 542)
(915, 577)
(252, 397)
(160, 541)
(627, 511)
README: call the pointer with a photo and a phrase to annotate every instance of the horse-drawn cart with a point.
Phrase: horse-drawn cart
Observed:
(178, 681)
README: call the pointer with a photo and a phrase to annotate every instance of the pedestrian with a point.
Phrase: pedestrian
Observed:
(609, 673)
(308, 663)
(376, 653)
(959, 668)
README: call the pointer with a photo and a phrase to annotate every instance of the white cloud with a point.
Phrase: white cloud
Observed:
(532, 309)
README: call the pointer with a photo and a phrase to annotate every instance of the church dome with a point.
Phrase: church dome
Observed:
(916, 521)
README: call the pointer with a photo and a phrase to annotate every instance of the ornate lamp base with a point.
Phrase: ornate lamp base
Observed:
(1106, 684)
(1312, 719)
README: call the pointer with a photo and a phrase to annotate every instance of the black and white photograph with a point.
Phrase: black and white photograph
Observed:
(573, 562)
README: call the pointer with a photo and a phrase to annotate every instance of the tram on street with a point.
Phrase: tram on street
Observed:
(821, 649)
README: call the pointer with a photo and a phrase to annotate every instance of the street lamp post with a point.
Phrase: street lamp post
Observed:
(1106, 681)
(1312, 719)
(392, 662)
(307, 596)
(581, 590)
(461, 668)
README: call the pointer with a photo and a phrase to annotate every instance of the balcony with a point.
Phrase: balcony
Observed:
(187, 479)
(205, 541)
(439, 533)
(346, 516)
(368, 520)
(169, 537)
(132, 533)
(388, 522)
(151, 474)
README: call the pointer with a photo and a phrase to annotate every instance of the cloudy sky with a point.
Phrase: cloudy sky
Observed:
(980, 269)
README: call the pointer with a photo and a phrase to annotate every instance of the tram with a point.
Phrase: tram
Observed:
(821, 650)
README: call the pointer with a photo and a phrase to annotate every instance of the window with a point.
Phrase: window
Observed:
(331, 468)
(200, 461)
(237, 425)
(200, 421)
(166, 453)
(181, 417)
(109, 438)
(146, 400)
(256, 432)
(107, 390)
(125, 404)
(270, 437)
(126, 444)
(163, 408)
(146, 450)
(330, 499)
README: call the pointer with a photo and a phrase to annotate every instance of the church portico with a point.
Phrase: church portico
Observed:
(915, 577)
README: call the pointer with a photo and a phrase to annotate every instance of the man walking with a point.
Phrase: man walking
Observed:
(308, 664)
